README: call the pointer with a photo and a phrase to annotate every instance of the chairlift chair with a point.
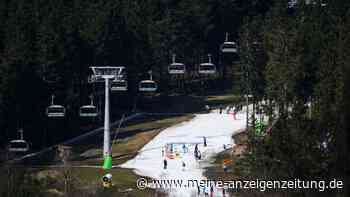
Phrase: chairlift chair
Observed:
(176, 67)
(88, 110)
(54, 111)
(19, 145)
(148, 85)
(119, 85)
(208, 67)
(228, 47)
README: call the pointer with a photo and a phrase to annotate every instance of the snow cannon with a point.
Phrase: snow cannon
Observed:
(107, 163)
(107, 180)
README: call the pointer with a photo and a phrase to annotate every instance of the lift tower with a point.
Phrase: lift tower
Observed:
(107, 73)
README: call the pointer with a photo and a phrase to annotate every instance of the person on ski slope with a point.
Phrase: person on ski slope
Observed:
(165, 164)
(196, 151)
(184, 148)
(199, 155)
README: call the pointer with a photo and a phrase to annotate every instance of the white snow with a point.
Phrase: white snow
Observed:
(218, 130)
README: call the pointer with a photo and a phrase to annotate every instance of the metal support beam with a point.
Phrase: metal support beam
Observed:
(106, 136)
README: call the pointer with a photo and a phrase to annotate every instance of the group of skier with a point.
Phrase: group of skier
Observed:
(207, 191)
(197, 153)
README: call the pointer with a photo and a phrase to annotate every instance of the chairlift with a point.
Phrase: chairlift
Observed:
(55, 110)
(19, 145)
(88, 110)
(119, 85)
(176, 68)
(228, 47)
(208, 67)
(148, 85)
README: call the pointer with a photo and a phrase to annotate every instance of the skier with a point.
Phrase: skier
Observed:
(199, 155)
(196, 154)
(234, 114)
(220, 110)
(165, 164)
(205, 141)
(207, 108)
(171, 148)
(183, 165)
(239, 107)
(184, 148)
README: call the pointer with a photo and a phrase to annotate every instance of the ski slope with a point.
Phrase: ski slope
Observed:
(218, 130)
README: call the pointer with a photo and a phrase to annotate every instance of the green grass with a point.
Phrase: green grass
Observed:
(82, 182)
(123, 179)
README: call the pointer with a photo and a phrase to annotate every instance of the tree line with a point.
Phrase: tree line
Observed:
(47, 48)
(301, 74)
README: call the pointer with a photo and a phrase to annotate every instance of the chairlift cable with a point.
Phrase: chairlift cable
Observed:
(118, 129)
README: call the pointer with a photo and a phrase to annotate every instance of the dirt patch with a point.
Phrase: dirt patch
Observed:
(241, 140)
(228, 158)
(240, 137)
